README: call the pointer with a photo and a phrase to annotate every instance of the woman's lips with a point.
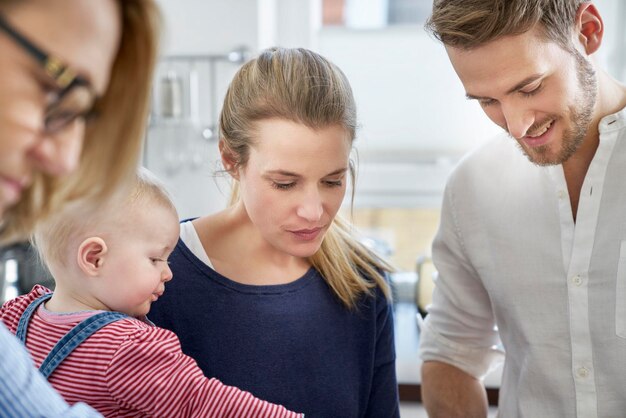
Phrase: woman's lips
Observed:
(11, 189)
(307, 234)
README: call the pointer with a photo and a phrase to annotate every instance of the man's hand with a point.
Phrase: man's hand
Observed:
(448, 392)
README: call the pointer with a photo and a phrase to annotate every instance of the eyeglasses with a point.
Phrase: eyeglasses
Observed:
(74, 98)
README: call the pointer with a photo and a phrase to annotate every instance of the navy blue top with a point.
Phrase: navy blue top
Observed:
(294, 344)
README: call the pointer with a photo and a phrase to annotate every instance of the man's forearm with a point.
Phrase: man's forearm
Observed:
(450, 392)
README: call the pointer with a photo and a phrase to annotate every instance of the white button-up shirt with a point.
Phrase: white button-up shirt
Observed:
(509, 255)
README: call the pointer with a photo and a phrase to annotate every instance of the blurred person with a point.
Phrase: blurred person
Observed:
(74, 88)
(92, 333)
(532, 237)
(299, 307)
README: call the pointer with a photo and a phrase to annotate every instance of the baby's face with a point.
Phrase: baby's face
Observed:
(135, 268)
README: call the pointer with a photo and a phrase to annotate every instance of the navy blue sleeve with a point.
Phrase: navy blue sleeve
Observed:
(384, 401)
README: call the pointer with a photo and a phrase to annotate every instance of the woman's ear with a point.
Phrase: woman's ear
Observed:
(590, 27)
(91, 255)
(228, 160)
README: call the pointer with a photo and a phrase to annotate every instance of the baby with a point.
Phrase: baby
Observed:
(91, 338)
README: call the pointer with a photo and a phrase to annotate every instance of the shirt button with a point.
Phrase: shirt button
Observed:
(562, 194)
(582, 372)
(577, 280)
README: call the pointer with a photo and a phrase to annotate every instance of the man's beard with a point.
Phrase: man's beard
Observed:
(580, 116)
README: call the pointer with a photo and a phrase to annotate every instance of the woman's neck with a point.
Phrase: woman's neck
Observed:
(237, 250)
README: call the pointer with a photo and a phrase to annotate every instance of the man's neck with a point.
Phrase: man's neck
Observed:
(611, 99)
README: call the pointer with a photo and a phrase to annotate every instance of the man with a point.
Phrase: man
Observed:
(531, 250)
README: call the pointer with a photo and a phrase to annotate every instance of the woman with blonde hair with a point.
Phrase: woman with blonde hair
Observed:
(74, 88)
(274, 294)
(74, 97)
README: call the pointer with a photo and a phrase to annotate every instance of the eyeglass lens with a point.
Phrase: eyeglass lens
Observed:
(75, 103)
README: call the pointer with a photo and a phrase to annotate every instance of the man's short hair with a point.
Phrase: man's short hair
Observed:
(467, 24)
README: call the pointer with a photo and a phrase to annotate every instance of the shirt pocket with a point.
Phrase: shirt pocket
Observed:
(620, 294)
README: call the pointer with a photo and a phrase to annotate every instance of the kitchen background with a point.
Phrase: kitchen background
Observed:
(415, 120)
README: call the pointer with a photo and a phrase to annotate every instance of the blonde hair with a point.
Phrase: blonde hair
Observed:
(114, 140)
(301, 86)
(53, 236)
(470, 23)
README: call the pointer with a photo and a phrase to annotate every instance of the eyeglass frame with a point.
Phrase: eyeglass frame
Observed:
(64, 77)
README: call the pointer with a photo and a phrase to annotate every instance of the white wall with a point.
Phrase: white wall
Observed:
(409, 98)
(201, 26)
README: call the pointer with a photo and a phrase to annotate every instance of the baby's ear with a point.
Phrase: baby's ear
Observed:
(90, 257)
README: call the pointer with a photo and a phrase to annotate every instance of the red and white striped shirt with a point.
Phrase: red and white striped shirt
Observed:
(132, 369)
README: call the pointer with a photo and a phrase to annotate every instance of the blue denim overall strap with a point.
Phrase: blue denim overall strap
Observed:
(69, 341)
(22, 325)
(75, 337)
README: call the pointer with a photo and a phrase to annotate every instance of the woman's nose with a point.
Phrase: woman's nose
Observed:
(311, 208)
(59, 154)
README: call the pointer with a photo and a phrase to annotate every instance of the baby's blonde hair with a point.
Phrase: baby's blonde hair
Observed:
(80, 218)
